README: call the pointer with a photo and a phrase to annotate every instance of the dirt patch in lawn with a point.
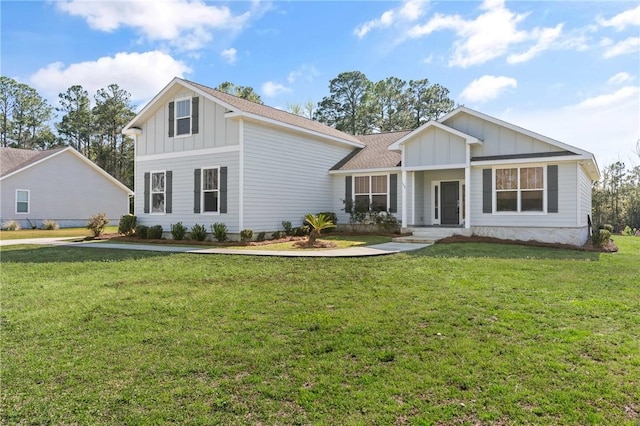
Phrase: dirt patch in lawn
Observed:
(610, 247)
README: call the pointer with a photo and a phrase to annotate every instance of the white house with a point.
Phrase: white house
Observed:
(204, 156)
(58, 184)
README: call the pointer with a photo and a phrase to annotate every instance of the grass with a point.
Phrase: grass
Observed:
(57, 233)
(341, 242)
(452, 334)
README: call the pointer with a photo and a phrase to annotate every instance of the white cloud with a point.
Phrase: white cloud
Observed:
(630, 45)
(487, 87)
(546, 37)
(409, 11)
(271, 89)
(130, 71)
(629, 17)
(621, 77)
(187, 24)
(609, 99)
(605, 125)
(308, 72)
(229, 55)
(490, 35)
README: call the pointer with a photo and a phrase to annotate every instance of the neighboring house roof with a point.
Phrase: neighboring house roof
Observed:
(375, 154)
(244, 108)
(14, 161)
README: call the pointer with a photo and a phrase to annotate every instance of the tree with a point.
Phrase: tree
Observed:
(317, 224)
(25, 114)
(244, 92)
(389, 105)
(75, 126)
(427, 102)
(110, 149)
(345, 107)
(305, 110)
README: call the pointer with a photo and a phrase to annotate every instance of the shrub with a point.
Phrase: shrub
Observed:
(246, 235)
(50, 225)
(629, 231)
(178, 231)
(387, 221)
(601, 237)
(278, 235)
(261, 236)
(288, 229)
(127, 224)
(97, 223)
(317, 224)
(219, 231)
(142, 231)
(154, 232)
(301, 231)
(331, 216)
(198, 232)
(11, 225)
(607, 226)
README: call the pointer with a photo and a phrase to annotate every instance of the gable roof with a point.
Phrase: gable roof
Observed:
(14, 161)
(375, 154)
(429, 124)
(239, 107)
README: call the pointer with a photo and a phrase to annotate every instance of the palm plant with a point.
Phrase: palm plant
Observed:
(317, 224)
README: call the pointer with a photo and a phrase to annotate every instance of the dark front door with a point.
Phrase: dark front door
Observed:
(450, 202)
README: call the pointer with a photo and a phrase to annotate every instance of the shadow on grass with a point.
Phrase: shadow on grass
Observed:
(503, 251)
(49, 254)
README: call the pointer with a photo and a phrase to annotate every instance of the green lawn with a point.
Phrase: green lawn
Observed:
(452, 334)
(58, 233)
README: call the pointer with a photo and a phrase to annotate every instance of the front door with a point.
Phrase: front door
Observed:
(450, 196)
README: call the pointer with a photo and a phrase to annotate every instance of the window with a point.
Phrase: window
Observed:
(22, 201)
(157, 192)
(210, 190)
(371, 193)
(520, 189)
(183, 117)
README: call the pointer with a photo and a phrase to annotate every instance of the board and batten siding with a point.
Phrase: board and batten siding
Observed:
(497, 140)
(214, 130)
(182, 189)
(584, 194)
(434, 147)
(567, 204)
(286, 175)
(65, 189)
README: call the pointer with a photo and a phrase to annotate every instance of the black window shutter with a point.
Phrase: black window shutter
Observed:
(147, 187)
(194, 114)
(552, 189)
(348, 194)
(168, 191)
(223, 189)
(196, 191)
(171, 119)
(393, 193)
(487, 186)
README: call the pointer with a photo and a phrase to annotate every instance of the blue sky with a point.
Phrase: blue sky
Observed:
(569, 70)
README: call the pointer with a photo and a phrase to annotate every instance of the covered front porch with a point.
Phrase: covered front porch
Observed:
(435, 198)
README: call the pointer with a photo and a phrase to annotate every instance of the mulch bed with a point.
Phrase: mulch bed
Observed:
(610, 247)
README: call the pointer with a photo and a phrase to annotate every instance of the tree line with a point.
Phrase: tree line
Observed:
(616, 196)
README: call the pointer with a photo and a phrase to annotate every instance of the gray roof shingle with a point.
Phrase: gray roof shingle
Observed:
(12, 159)
(375, 154)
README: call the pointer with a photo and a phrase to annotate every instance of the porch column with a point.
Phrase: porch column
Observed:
(404, 199)
(467, 190)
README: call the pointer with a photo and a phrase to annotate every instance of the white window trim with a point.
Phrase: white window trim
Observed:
(519, 212)
(202, 212)
(175, 117)
(369, 175)
(151, 173)
(438, 183)
(28, 201)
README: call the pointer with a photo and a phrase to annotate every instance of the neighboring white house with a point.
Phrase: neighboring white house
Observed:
(58, 184)
(204, 156)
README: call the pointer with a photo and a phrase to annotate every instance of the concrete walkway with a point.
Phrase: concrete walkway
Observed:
(373, 250)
